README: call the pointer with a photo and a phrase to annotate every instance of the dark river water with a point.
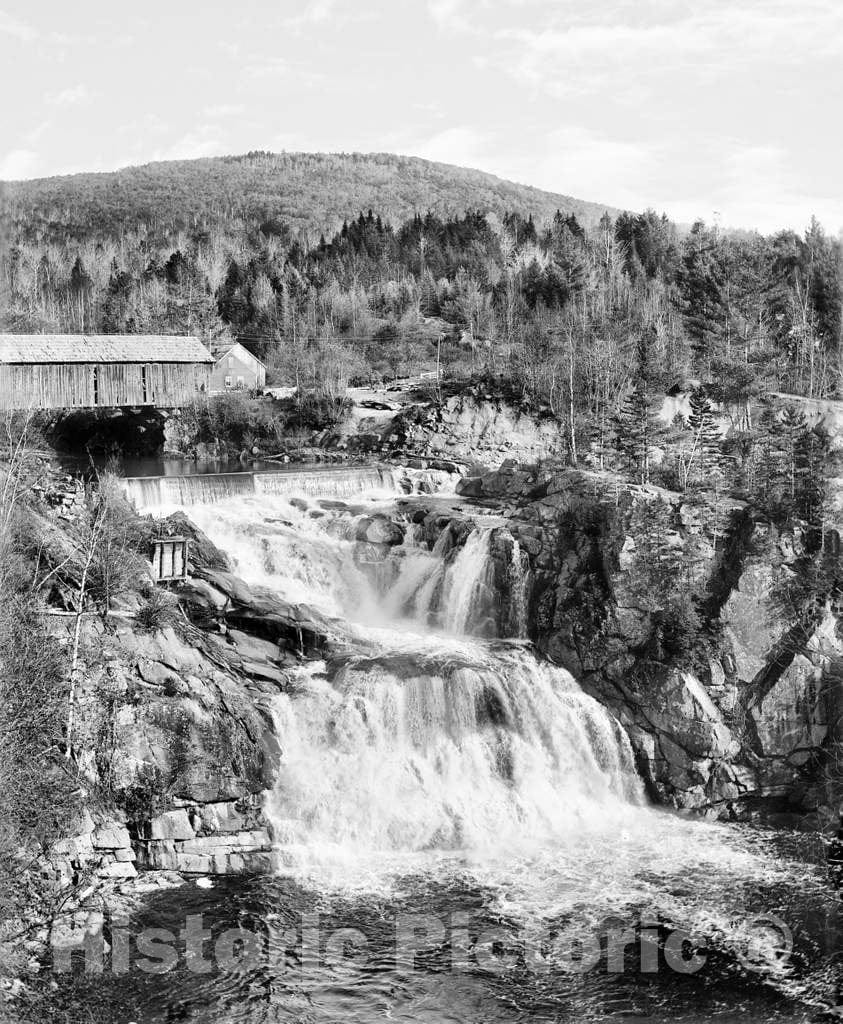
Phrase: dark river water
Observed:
(460, 829)
(467, 962)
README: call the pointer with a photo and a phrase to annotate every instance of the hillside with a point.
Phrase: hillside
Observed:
(309, 190)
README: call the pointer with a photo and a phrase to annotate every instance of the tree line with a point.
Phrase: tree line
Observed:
(555, 308)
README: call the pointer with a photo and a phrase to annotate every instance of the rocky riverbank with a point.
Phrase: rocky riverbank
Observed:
(742, 718)
(733, 715)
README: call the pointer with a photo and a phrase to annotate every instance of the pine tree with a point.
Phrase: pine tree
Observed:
(769, 480)
(80, 281)
(705, 439)
(810, 462)
(657, 564)
(638, 428)
(660, 577)
(703, 296)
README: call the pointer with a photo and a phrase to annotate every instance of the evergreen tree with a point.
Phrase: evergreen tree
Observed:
(80, 281)
(702, 297)
(768, 482)
(810, 465)
(638, 427)
(656, 566)
(705, 439)
(659, 574)
(793, 430)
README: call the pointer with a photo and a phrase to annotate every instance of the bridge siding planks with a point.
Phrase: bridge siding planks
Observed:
(72, 385)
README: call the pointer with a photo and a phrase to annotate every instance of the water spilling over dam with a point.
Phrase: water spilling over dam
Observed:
(330, 482)
(432, 761)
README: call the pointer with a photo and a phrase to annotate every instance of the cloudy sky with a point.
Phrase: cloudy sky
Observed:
(711, 108)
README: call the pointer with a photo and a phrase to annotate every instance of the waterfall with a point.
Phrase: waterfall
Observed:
(480, 747)
(208, 488)
(198, 489)
(432, 740)
(460, 593)
(462, 597)
(519, 588)
(424, 767)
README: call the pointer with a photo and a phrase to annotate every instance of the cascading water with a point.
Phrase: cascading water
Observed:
(519, 582)
(457, 752)
(429, 760)
(464, 580)
(205, 488)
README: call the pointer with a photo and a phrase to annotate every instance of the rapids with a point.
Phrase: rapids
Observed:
(447, 772)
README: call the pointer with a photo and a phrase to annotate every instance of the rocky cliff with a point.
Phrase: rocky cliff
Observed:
(174, 739)
(472, 425)
(740, 714)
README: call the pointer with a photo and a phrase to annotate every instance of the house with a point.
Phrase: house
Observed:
(236, 369)
(88, 371)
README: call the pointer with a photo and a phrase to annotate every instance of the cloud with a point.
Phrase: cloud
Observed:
(12, 27)
(70, 97)
(716, 38)
(38, 131)
(326, 14)
(450, 15)
(588, 164)
(262, 68)
(460, 145)
(267, 67)
(224, 110)
(204, 140)
(316, 12)
(19, 163)
(759, 187)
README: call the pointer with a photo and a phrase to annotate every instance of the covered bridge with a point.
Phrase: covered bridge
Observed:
(89, 371)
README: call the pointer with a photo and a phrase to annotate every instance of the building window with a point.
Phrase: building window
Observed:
(228, 381)
(240, 382)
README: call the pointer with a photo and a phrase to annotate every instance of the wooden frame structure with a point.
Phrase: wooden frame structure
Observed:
(75, 371)
(169, 558)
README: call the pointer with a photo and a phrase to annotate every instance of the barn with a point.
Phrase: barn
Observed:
(237, 369)
(89, 371)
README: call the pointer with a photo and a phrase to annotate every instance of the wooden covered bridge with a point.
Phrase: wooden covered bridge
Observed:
(90, 371)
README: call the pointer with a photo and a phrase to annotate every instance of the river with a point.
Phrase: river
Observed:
(460, 830)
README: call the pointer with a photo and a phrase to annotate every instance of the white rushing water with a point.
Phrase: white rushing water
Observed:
(474, 748)
(154, 492)
(440, 752)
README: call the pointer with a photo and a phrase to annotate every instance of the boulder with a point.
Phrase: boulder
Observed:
(194, 863)
(379, 530)
(749, 621)
(117, 869)
(791, 719)
(170, 825)
(111, 835)
(222, 817)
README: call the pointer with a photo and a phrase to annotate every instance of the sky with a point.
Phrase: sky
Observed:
(725, 110)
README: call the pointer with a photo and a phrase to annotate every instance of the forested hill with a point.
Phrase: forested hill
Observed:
(307, 190)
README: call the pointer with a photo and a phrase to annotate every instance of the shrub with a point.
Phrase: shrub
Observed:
(37, 784)
(158, 611)
(114, 535)
(236, 419)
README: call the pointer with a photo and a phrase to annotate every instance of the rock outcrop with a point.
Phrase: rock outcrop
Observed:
(473, 426)
(740, 723)
(189, 751)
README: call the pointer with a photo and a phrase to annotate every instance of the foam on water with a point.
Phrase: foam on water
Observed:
(445, 755)
(154, 492)
(474, 749)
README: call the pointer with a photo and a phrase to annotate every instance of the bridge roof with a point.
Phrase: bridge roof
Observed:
(102, 348)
